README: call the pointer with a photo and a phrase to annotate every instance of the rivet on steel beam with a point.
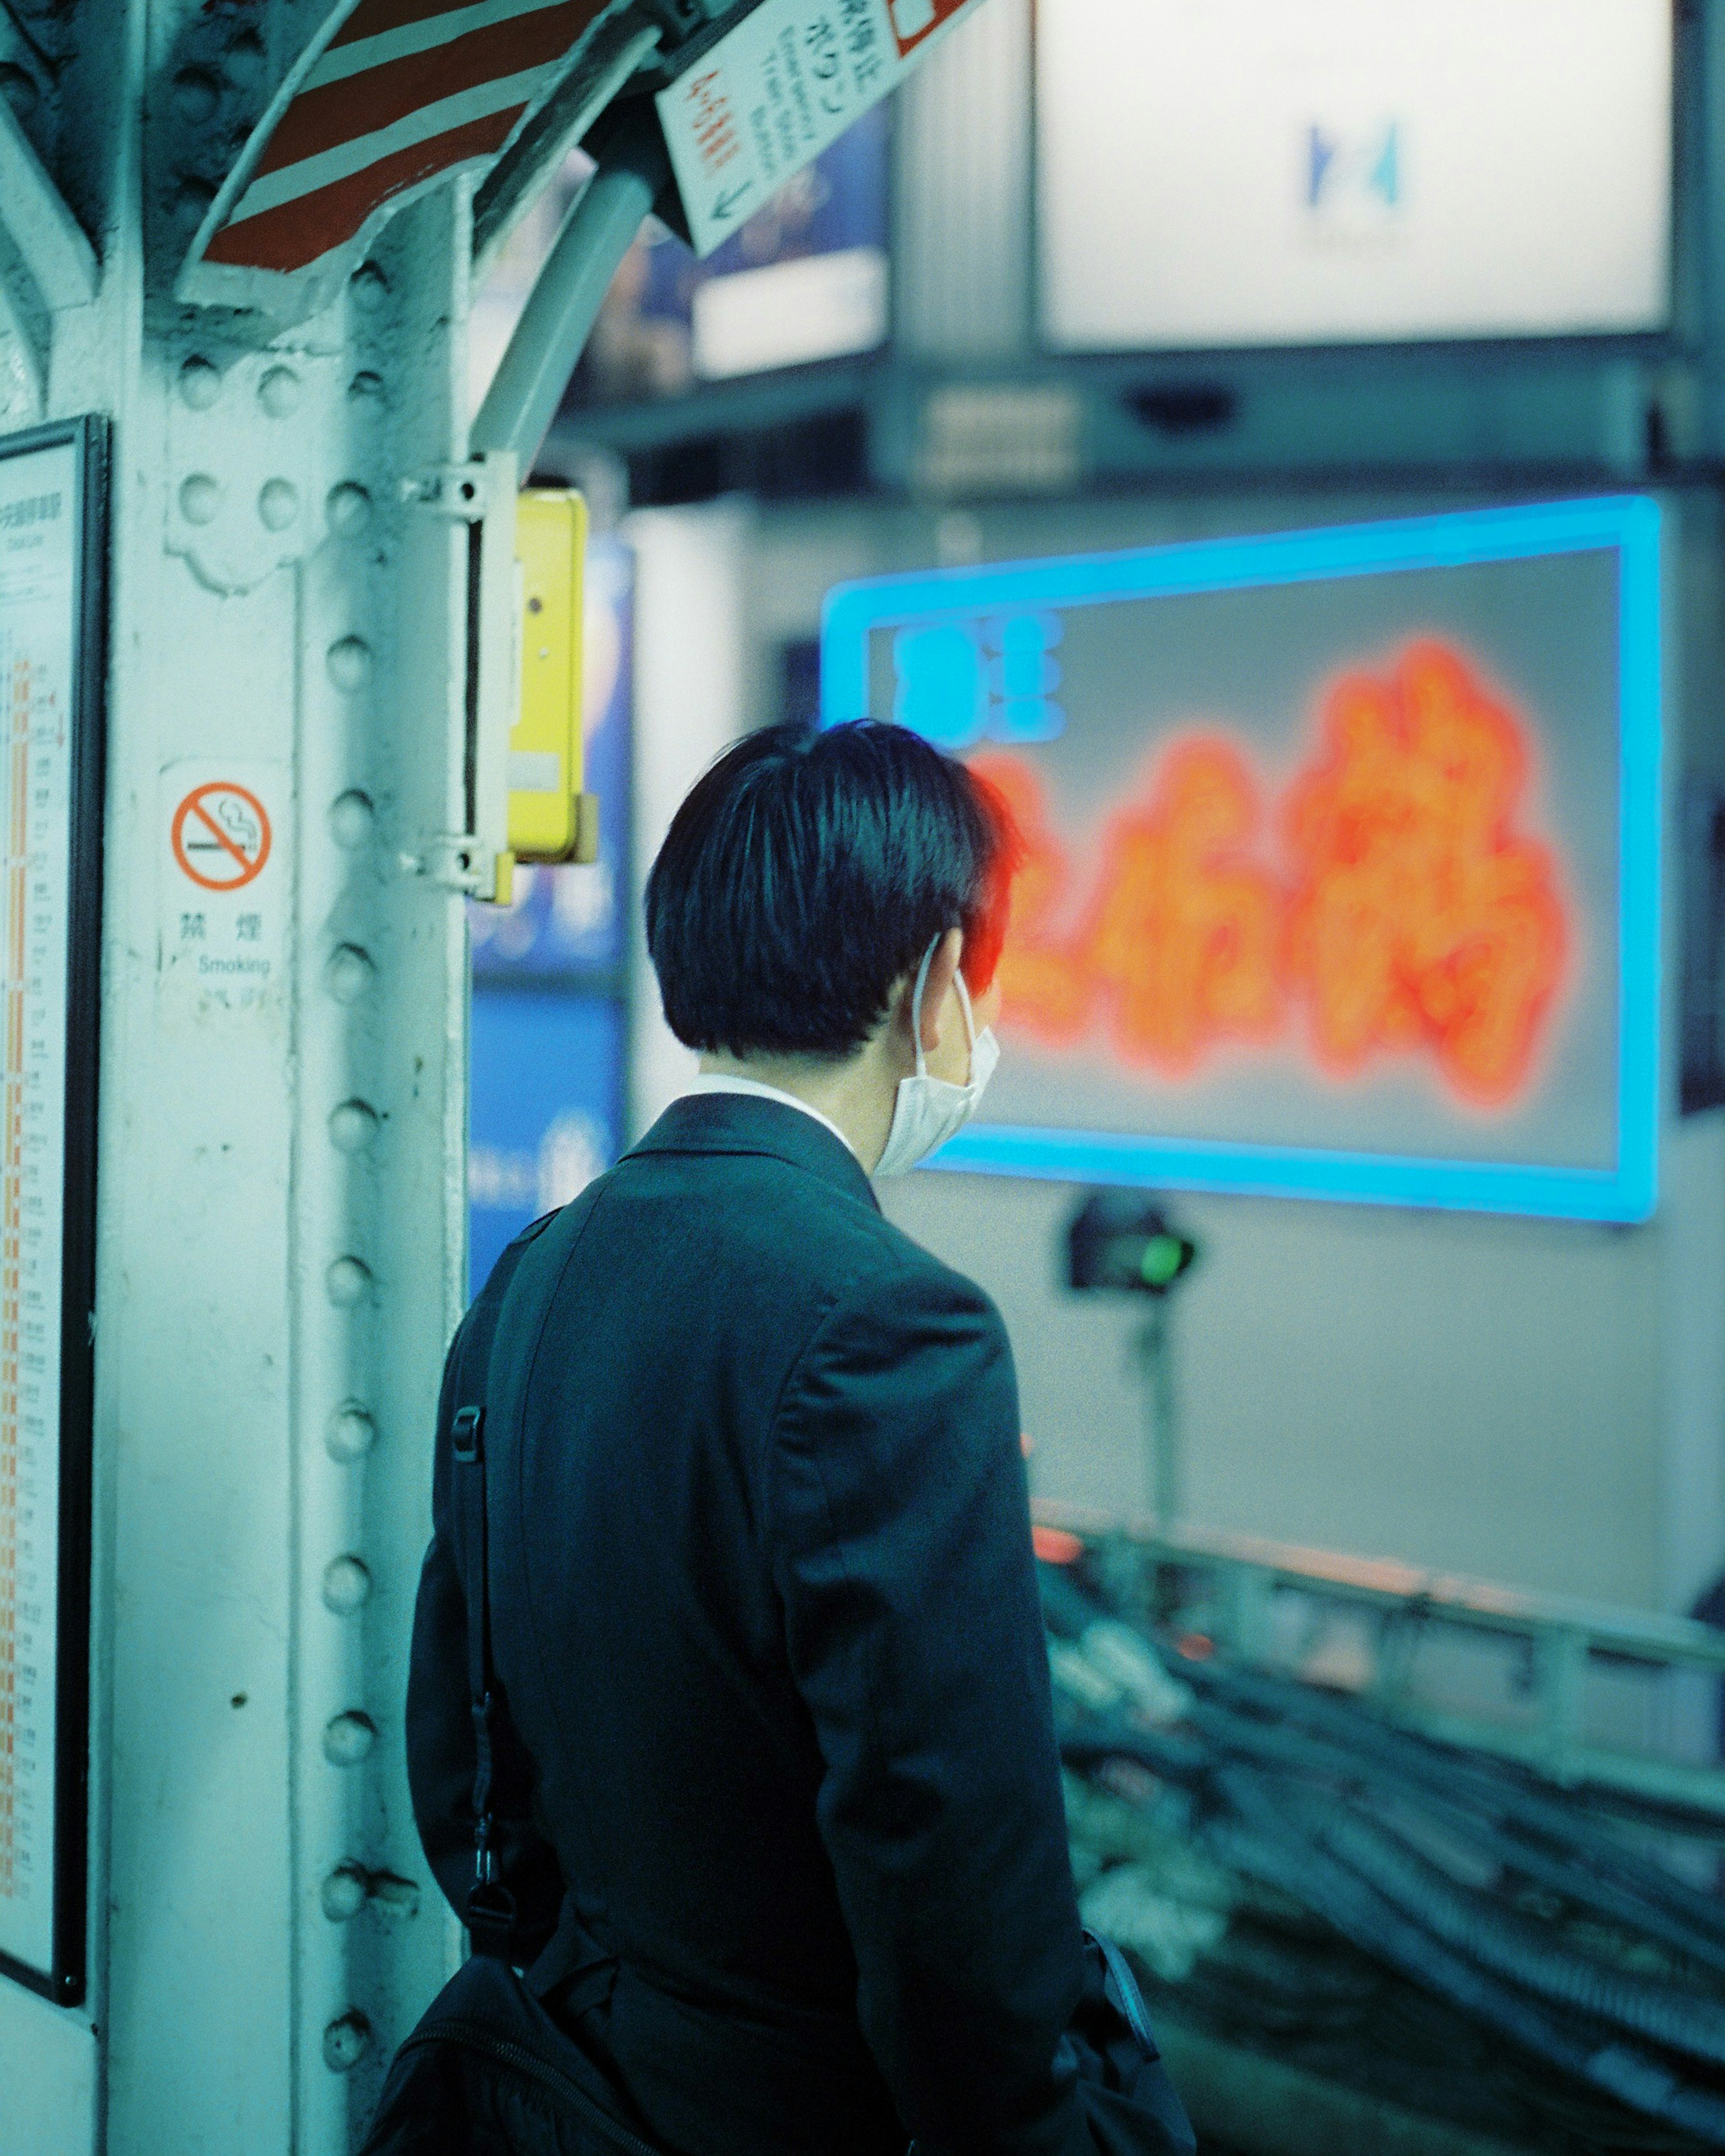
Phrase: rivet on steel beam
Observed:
(350, 664)
(348, 1281)
(200, 384)
(351, 1433)
(352, 819)
(192, 198)
(343, 1893)
(196, 95)
(352, 1125)
(19, 89)
(349, 508)
(348, 1738)
(346, 2041)
(349, 973)
(278, 392)
(279, 504)
(200, 498)
(243, 63)
(347, 1585)
(370, 287)
(393, 1897)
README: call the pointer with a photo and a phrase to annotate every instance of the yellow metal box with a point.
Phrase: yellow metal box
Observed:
(550, 818)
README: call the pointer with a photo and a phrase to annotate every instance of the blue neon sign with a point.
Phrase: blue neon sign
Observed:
(971, 657)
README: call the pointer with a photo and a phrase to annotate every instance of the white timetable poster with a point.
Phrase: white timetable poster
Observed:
(47, 1049)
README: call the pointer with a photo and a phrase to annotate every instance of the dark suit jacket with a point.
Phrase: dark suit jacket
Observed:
(780, 1741)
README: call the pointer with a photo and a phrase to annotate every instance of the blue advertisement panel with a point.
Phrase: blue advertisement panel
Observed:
(805, 278)
(545, 1110)
(574, 919)
(1342, 852)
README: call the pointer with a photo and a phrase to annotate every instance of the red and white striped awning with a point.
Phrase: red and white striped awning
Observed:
(390, 97)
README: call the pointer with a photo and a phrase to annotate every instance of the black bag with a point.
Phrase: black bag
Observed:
(1129, 2104)
(486, 2071)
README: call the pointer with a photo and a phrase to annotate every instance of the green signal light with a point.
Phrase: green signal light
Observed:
(1164, 1260)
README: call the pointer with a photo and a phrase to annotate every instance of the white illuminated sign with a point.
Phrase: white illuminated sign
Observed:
(1225, 173)
(789, 313)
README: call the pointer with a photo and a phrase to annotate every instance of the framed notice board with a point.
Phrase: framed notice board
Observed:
(1341, 852)
(53, 665)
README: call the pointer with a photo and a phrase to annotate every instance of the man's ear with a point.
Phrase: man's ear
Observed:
(943, 970)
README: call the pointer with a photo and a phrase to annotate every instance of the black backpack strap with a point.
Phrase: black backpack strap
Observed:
(490, 1911)
(1124, 1992)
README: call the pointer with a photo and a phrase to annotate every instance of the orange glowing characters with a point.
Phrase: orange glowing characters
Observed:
(1183, 936)
(1041, 989)
(1408, 914)
(1417, 917)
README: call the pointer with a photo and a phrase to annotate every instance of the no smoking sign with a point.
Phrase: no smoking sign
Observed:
(221, 835)
(223, 918)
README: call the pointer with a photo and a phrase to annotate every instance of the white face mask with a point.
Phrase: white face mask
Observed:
(928, 1111)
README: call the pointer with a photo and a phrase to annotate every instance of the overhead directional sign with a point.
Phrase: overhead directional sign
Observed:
(773, 93)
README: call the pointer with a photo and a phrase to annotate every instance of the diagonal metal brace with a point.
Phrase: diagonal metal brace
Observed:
(60, 260)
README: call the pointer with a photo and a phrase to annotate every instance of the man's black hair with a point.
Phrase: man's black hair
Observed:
(806, 872)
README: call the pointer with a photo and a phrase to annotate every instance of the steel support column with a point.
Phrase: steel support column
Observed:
(281, 1216)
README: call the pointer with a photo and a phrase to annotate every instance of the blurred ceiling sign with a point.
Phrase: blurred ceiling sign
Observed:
(777, 89)
(1249, 173)
(806, 279)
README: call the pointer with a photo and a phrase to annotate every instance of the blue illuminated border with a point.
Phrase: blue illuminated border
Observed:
(1627, 523)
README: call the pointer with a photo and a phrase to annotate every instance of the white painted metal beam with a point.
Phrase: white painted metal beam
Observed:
(60, 258)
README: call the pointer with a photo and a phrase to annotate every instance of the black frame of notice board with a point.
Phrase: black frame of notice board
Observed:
(65, 1982)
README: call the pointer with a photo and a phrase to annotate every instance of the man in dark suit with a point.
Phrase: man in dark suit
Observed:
(781, 1804)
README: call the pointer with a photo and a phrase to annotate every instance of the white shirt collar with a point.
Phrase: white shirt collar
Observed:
(715, 1082)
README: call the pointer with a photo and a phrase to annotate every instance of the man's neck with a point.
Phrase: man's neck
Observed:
(856, 1093)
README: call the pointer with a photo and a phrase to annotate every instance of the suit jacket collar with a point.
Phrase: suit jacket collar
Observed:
(744, 1123)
